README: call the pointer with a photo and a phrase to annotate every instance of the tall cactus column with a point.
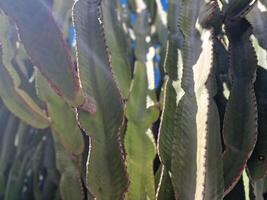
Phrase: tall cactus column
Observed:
(240, 122)
(141, 112)
(106, 173)
(195, 157)
(172, 94)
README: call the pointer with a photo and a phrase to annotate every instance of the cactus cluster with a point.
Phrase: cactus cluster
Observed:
(111, 99)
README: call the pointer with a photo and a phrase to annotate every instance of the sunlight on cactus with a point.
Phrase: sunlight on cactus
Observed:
(133, 99)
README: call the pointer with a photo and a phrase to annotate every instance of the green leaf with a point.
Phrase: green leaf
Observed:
(69, 134)
(240, 121)
(106, 173)
(37, 28)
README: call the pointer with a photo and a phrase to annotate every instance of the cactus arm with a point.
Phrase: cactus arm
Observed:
(140, 162)
(140, 119)
(37, 28)
(167, 127)
(197, 123)
(172, 88)
(8, 35)
(119, 47)
(258, 18)
(106, 173)
(257, 163)
(174, 43)
(70, 137)
(239, 137)
(160, 36)
(69, 133)
(141, 112)
(15, 98)
(20, 103)
(172, 94)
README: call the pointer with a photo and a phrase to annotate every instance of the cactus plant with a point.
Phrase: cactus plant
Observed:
(93, 119)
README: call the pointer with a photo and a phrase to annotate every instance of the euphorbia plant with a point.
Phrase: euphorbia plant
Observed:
(99, 125)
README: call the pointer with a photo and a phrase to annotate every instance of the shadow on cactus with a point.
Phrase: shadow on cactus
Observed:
(137, 99)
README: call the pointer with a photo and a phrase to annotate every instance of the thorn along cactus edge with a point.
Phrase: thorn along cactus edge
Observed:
(134, 100)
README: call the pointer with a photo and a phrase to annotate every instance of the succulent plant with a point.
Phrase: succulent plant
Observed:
(84, 113)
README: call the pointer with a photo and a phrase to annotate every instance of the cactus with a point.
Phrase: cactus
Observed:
(39, 18)
(90, 120)
(141, 113)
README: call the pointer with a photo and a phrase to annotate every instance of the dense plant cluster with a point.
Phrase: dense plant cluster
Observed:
(137, 99)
